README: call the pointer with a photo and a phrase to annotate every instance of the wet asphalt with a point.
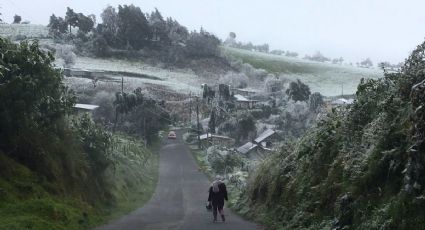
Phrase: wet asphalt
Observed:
(179, 198)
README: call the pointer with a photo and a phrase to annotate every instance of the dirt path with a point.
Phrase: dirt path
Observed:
(179, 199)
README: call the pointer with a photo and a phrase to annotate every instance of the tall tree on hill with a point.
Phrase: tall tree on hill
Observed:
(17, 19)
(133, 30)
(158, 26)
(176, 33)
(231, 39)
(109, 27)
(84, 23)
(71, 18)
(57, 26)
(110, 19)
(202, 44)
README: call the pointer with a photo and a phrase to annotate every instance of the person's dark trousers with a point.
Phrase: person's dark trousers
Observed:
(218, 208)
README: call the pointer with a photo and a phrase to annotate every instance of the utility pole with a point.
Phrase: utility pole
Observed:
(197, 123)
(144, 130)
(190, 108)
(122, 85)
(342, 90)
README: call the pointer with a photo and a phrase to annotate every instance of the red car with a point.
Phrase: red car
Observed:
(172, 135)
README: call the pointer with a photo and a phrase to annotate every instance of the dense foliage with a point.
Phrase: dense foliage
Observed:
(298, 91)
(33, 100)
(132, 113)
(50, 156)
(360, 168)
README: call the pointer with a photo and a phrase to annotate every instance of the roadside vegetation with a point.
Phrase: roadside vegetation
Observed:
(60, 170)
(359, 167)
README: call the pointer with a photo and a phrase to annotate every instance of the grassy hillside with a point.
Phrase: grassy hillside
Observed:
(361, 167)
(28, 201)
(328, 79)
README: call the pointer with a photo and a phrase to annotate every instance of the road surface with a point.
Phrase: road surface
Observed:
(179, 199)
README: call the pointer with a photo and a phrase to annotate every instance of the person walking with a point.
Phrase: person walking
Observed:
(217, 195)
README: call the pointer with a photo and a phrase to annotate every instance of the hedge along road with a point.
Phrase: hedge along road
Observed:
(179, 198)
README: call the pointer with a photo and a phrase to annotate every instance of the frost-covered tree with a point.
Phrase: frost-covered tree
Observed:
(202, 44)
(366, 63)
(110, 20)
(298, 91)
(277, 52)
(57, 26)
(291, 54)
(67, 55)
(158, 26)
(231, 39)
(237, 80)
(85, 24)
(71, 18)
(133, 29)
(212, 122)
(245, 126)
(17, 19)
(177, 34)
(318, 56)
(315, 102)
(274, 84)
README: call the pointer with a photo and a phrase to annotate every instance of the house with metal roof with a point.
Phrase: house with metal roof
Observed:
(244, 103)
(342, 101)
(246, 148)
(84, 108)
(213, 139)
(263, 142)
(264, 139)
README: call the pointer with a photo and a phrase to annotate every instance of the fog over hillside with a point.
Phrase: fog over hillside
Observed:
(352, 29)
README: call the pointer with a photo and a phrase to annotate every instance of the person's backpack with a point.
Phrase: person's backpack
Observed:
(215, 187)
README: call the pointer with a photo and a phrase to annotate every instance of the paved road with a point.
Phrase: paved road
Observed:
(179, 199)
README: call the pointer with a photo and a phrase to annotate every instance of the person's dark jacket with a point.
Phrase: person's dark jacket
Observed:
(218, 197)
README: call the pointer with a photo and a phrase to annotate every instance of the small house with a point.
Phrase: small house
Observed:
(342, 101)
(265, 138)
(244, 103)
(246, 148)
(85, 108)
(244, 92)
(208, 139)
(261, 144)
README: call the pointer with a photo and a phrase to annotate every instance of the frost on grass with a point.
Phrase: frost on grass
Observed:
(176, 79)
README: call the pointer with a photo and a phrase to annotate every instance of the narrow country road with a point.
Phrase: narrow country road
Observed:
(179, 199)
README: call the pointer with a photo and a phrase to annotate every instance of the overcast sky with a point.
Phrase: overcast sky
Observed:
(353, 29)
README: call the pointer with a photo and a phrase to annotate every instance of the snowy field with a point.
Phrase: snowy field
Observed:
(326, 78)
(181, 81)
(28, 30)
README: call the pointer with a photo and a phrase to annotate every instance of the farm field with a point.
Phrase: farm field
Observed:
(328, 79)
(27, 30)
(181, 81)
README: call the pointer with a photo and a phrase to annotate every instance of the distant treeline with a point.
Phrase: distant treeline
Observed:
(129, 32)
